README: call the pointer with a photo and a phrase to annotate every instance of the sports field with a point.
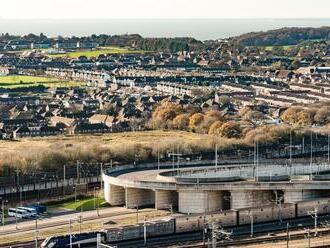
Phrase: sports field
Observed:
(16, 81)
(97, 52)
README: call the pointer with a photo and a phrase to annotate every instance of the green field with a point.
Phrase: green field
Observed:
(85, 204)
(97, 52)
(16, 81)
(270, 48)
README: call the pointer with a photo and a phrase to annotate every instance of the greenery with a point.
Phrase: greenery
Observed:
(97, 52)
(283, 36)
(271, 48)
(18, 81)
(84, 204)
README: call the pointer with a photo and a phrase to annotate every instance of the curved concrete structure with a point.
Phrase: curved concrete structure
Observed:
(200, 187)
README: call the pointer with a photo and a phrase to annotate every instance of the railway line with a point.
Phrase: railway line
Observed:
(240, 235)
(235, 243)
(65, 223)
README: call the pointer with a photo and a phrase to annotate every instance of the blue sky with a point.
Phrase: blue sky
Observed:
(92, 9)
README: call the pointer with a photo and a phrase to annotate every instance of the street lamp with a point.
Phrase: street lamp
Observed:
(36, 232)
(314, 215)
(75, 192)
(251, 221)
(96, 201)
(3, 201)
(278, 201)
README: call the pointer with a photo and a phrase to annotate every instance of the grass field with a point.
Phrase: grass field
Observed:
(97, 52)
(85, 204)
(16, 81)
(122, 139)
(270, 48)
(53, 152)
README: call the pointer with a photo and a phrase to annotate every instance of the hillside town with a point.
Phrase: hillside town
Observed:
(121, 91)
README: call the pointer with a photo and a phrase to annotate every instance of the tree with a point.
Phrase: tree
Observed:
(214, 114)
(322, 115)
(304, 119)
(298, 116)
(195, 120)
(181, 121)
(290, 115)
(167, 111)
(215, 128)
(210, 117)
(164, 114)
(230, 129)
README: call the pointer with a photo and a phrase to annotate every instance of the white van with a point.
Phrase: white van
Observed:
(31, 212)
(19, 213)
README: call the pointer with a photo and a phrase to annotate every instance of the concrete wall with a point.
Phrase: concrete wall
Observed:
(139, 197)
(321, 205)
(225, 218)
(292, 196)
(200, 201)
(267, 213)
(166, 198)
(249, 198)
(115, 195)
(189, 223)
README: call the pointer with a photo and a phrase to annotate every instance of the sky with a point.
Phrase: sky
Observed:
(100, 9)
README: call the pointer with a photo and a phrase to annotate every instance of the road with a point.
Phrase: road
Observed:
(60, 224)
(55, 221)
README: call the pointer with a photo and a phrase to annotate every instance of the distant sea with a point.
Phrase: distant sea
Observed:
(202, 29)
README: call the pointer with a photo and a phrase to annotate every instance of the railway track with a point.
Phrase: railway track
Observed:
(30, 244)
(259, 240)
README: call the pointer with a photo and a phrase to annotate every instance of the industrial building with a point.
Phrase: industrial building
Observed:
(199, 188)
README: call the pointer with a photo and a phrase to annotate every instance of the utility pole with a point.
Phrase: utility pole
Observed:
(70, 233)
(97, 207)
(144, 231)
(314, 216)
(75, 192)
(290, 147)
(16, 225)
(278, 201)
(257, 160)
(94, 199)
(214, 237)
(80, 221)
(18, 186)
(3, 201)
(64, 180)
(36, 233)
(101, 169)
(251, 221)
(309, 238)
(173, 160)
(303, 144)
(328, 150)
(311, 157)
(158, 162)
(137, 213)
(204, 226)
(287, 235)
(256, 154)
(78, 174)
(216, 155)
